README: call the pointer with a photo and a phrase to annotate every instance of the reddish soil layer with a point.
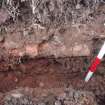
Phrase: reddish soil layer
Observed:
(53, 73)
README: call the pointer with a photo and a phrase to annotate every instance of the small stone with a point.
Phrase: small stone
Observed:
(32, 50)
(77, 48)
(25, 32)
(16, 79)
(78, 6)
(16, 95)
(41, 84)
(57, 102)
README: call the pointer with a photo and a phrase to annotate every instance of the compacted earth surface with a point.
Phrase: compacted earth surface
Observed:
(46, 47)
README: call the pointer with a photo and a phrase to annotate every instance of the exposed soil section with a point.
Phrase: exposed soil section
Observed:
(47, 46)
(49, 73)
(51, 27)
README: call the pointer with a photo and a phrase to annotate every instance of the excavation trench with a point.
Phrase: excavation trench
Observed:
(49, 45)
(50, 73)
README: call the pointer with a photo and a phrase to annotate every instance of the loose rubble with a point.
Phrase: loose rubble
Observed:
(67, 97)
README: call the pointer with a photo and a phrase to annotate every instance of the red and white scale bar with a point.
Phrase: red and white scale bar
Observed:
(95, 63)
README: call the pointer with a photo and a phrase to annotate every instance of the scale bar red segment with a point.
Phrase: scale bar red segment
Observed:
(94, 65)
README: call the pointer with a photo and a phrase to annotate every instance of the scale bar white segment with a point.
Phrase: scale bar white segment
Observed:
(88, 76)
(102, 52)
